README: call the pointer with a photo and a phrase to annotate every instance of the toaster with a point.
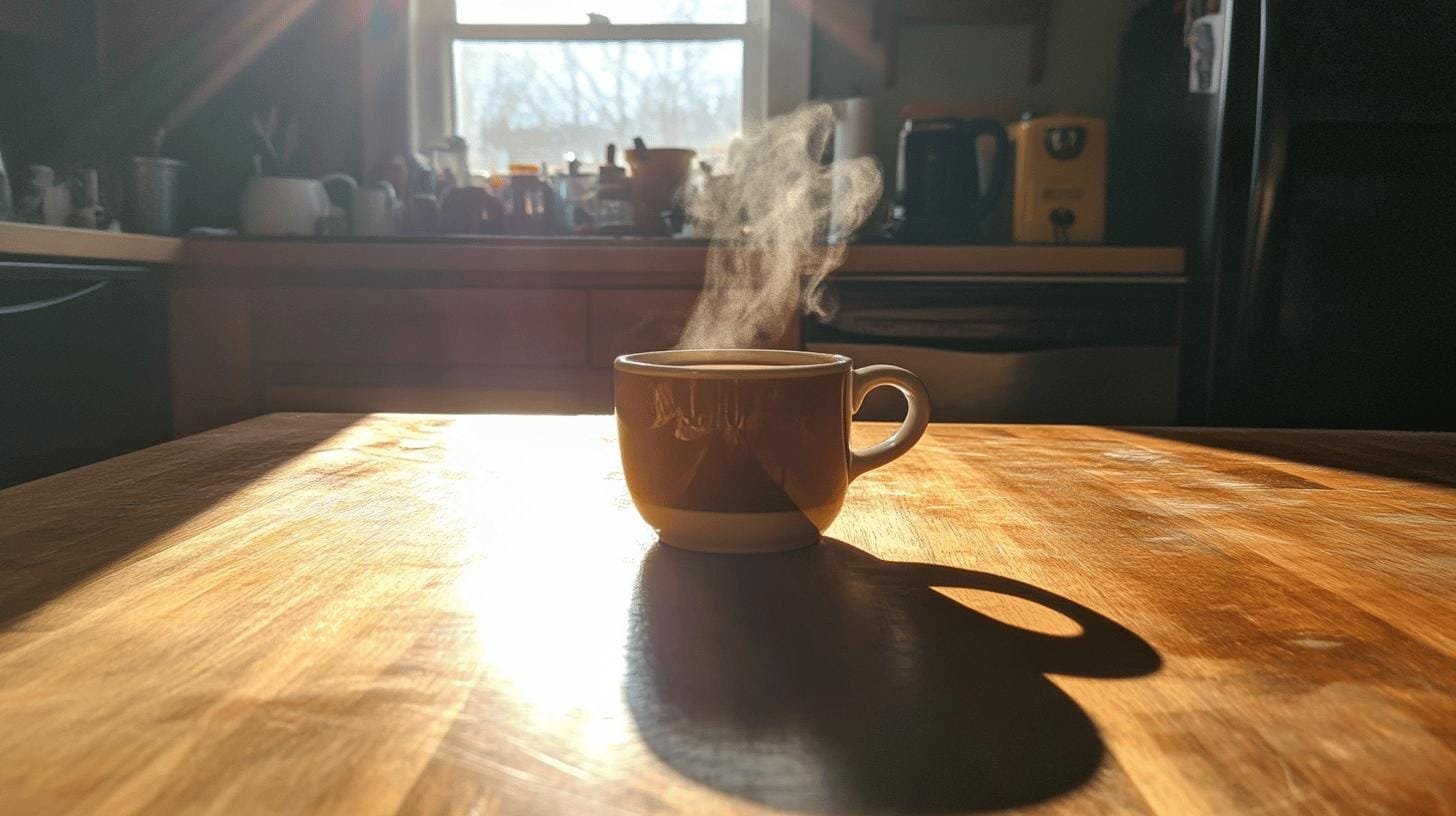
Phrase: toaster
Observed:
(1060, 190)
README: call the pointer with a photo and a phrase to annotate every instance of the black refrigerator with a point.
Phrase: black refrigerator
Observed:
(1305, 154)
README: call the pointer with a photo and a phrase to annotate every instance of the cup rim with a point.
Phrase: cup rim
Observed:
(785, 363)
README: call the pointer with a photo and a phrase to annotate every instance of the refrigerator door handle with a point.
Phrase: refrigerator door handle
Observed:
(37, 305)
(1258, 296)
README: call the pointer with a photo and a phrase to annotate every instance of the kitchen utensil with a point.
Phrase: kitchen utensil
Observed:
(1060, 192)
(265, 130)
(282, 206)
(658, 177)
(939, 193)
(153, 195)
(275, 154)
(745, 451)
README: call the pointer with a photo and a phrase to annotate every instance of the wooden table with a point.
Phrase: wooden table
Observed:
(423, 614)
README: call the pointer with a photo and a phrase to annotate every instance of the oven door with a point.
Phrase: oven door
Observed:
(1044, 353)
(1120, 385)
(83, 365)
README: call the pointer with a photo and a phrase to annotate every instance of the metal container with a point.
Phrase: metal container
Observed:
(154, 195)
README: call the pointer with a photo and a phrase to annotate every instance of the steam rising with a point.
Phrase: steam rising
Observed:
(767, 223)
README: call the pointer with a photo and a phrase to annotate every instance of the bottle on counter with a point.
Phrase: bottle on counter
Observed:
(576, 189)
(451, 163)
(614, 213)
(88, 215)
(30, 206)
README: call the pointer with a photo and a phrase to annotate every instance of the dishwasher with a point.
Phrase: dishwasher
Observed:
(83, 365)
(1061, 352)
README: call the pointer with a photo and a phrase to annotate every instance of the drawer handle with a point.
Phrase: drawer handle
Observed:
(37, 305)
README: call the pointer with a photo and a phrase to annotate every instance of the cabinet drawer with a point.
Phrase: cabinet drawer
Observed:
(632, 320)
(501, 327)
(437, 400)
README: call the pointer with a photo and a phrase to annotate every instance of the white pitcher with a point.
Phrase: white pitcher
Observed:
(282, 206)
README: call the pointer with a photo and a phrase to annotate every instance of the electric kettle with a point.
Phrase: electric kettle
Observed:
(939, 195)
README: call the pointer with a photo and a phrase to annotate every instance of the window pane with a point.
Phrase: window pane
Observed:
(529, 101)
(515, 12)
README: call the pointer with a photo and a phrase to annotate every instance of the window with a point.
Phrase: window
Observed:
(532, 81)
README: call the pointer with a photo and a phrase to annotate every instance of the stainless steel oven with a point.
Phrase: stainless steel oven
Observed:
(1065, 350)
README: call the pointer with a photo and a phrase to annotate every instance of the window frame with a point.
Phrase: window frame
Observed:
(775, 40)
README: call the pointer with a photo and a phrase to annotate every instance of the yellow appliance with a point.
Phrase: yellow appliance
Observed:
(1060, 192)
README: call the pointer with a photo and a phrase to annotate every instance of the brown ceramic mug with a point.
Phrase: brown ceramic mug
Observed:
(747, 450)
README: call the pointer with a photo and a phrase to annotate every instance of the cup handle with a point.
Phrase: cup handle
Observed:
(917, 415)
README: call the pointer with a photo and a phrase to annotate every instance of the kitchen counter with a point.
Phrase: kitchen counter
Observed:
(573, 262)
(84, 244)
(500, 261)
(380, 614)
(481, 324)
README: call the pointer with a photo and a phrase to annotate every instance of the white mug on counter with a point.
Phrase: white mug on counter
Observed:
(56, 204)
(376, 210)
(282, 206)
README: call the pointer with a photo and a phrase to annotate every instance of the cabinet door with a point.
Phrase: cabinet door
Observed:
(625, 321)
(83, 367)
(422, 327)
(501, 399)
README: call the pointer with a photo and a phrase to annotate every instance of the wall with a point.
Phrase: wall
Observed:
(969, 64)
(311, 73)
(47, 53)
(200, 66)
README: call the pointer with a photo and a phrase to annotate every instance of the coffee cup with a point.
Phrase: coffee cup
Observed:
(748, 450)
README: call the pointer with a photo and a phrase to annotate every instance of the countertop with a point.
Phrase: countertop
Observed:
(84, 244)
(635, 262)
(378, 614)
(476, 260)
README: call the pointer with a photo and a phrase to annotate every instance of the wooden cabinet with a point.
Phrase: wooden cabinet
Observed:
(624, 321)
(485, 325)
(420, 349)
(422, 327)
(493, 399)
(239, 351)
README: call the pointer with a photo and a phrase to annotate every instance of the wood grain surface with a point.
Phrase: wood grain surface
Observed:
(591, 262)
(424, 614)
(84, 244)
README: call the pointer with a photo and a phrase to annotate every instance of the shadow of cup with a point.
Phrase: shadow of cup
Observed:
(828, 680)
